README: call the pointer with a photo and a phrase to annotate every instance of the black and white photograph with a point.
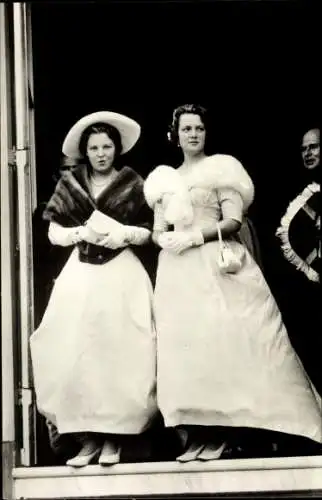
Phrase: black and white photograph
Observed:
(160, 249)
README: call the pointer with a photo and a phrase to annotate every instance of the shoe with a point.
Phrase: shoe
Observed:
(211, 452)
(110, 454)
(85, 456)
(191, 453)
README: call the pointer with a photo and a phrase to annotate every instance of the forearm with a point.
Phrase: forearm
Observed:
(63, 236)
(227, 226)
(136, 235)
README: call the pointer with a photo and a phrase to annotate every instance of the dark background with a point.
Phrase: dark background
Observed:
(253, 64)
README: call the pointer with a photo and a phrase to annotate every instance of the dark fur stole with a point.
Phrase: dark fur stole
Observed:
(72, 204)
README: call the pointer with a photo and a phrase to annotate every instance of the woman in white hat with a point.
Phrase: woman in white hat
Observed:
(224, 357)
(93, 353)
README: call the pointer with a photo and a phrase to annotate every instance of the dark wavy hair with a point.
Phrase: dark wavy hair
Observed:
(100, 128)
(194, 109)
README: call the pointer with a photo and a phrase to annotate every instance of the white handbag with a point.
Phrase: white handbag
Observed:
(228, 261)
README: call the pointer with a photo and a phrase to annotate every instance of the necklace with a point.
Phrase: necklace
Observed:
(106, 180)
(99, 184)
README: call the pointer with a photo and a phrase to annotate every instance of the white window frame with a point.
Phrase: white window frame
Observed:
(26, 182)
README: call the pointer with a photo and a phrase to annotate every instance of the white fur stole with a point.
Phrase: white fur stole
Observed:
(166, 185)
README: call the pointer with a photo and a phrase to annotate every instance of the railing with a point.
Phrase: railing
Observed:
(223, 477)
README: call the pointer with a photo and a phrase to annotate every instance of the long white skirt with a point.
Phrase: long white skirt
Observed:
(224, 356)
(94, 353)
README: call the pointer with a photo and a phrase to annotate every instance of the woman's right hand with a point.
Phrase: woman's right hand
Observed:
(179, 241)
(165, 240)
(66, 236)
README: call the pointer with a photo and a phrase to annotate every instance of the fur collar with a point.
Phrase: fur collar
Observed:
(222, 171)
(72, 203)
(213, 172)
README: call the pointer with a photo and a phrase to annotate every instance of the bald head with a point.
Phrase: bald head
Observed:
(311, 149)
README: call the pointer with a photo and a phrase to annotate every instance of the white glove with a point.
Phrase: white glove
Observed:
(64, 236)
(179, 241)
(87, 234)
(117, 238)
(137, 235)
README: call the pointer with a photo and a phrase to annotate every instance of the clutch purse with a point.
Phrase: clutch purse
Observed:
(228, 261)
(99, 225)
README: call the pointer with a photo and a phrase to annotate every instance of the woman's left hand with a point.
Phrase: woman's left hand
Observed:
(113, 240)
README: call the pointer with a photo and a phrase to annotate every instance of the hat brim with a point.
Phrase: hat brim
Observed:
(129, 131)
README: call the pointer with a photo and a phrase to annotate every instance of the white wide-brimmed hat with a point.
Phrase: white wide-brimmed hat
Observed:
(129, 131)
